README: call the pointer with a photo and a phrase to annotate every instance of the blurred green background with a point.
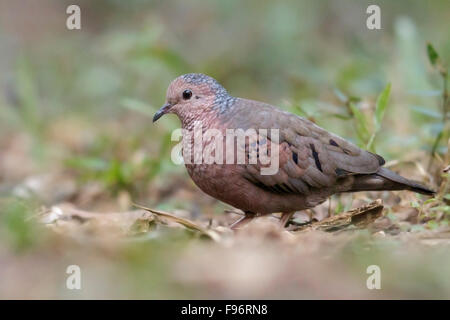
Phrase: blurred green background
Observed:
(76, 108)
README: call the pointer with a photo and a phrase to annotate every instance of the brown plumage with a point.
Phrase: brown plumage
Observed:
(313, 163)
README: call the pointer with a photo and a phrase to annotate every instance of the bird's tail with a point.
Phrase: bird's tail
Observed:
(385, 179)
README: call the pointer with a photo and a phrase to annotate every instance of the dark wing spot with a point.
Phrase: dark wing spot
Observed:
(276, 188)
(295, 157)
(381, 160)
(286, 188)
(280, 188)
(333, 143)
(316, 157)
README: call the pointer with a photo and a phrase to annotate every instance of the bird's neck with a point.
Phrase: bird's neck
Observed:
(223, 102)
(205, 117)
(211, 116)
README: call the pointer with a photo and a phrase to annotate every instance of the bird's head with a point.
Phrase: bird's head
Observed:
(193, 94)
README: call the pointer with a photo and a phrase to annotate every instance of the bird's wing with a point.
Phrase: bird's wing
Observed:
(309, 156)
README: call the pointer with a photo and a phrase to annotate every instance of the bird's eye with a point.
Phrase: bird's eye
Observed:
(187, 94)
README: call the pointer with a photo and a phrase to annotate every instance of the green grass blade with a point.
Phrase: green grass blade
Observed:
(432, 54)
(381, 105)
(362, 127)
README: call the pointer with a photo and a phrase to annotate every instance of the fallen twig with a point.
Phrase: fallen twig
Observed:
(360, 217)
(184, 222)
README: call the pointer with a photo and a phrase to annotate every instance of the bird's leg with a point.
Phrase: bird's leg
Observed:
(285, 217)
(238, 224)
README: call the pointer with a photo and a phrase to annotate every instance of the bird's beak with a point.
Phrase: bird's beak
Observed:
(164, 109)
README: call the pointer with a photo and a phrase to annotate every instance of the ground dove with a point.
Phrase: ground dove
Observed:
(313, 163)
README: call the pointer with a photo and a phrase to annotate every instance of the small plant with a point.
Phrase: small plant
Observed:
(16, 229)
(443, 134)
(436, 211)
(367, 129)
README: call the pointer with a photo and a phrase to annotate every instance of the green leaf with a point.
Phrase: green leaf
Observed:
(370, 145)
(381, 105)
(432, 54)
(339, 208)
(380, 109)
(361, 123)
(430, 201)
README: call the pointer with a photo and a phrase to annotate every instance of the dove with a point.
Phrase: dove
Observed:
(313, 164)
